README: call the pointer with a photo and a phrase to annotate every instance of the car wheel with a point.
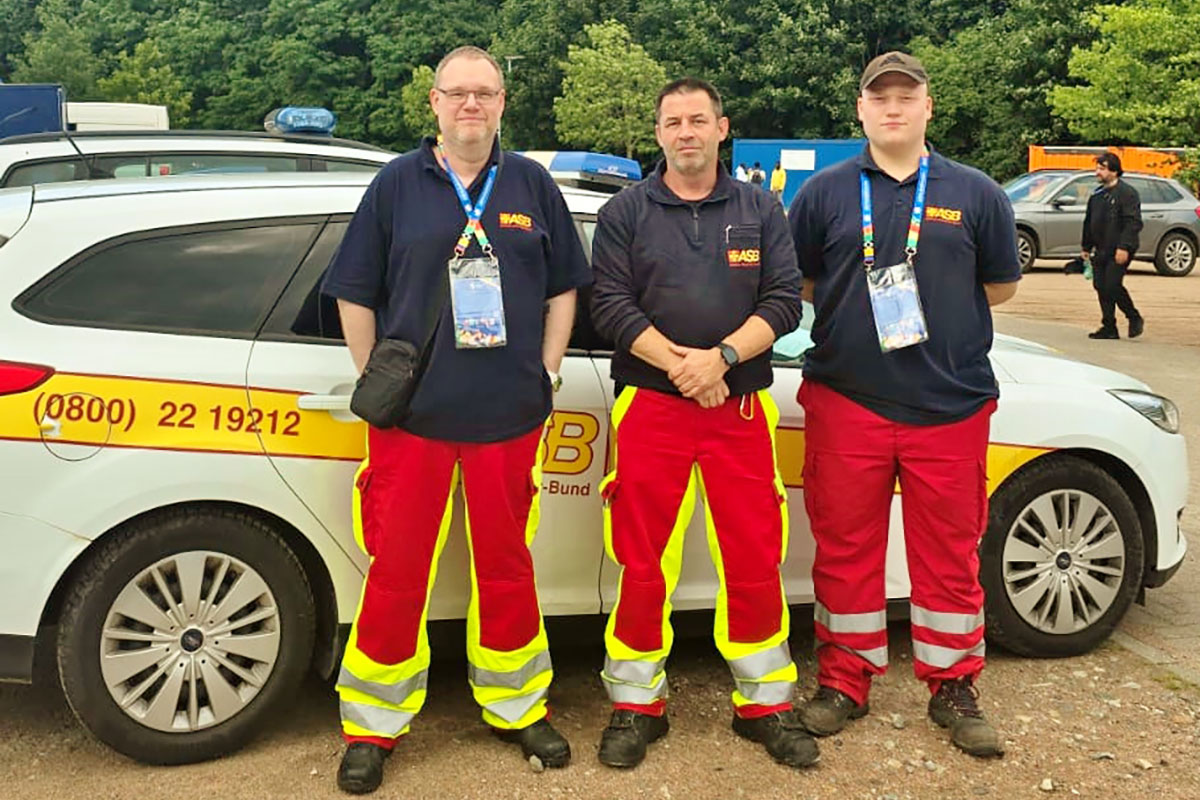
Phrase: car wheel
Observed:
(1176, 255)
(1061, 560)
(183, 633)
(1026, 249)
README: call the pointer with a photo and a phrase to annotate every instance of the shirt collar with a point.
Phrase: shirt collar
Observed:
(429, 160)
(660, 192)
(937, 164)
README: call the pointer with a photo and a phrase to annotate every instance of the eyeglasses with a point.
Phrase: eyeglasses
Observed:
(485, 97)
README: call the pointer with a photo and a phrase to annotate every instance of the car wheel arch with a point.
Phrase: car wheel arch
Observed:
(1027, 230)
(325, 650)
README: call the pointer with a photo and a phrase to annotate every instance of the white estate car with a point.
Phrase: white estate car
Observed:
(176, 459)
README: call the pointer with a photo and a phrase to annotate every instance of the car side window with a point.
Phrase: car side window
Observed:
(221, 280)
(1166, 192)
(165, 164)
(1081, 189)
(303, 312)
(76, 169)
(584, 335)
(1147, 190)
(334, 165)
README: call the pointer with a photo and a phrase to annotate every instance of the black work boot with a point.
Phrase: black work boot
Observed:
(1136, 326)
(956, 706)
(541, 740)
(623, 743)
(783, 735)
(829, 710)
(1105, 332)
(361, 771)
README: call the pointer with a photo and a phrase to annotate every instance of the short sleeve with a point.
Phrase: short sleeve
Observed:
(358, 270)
(996, 258)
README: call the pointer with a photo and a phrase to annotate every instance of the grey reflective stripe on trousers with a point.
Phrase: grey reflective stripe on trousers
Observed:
(769, 693)
(762, 663)
(945, 621)
(641, 682)
(512, 709)
(510, 680)
(639, 673)
(394, 693)
(943, 657)
(385, 722)
(867, 622)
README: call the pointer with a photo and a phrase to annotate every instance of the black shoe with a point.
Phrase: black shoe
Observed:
(1105, 332)
(783, 735)
(829, 710)
(541, 740)
(1136, 326)
(623, 743)
(361, 771)
(956, 706)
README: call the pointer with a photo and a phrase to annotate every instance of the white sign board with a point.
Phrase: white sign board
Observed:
(805, 160)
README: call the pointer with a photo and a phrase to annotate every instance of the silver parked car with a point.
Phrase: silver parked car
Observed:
(1050, 205)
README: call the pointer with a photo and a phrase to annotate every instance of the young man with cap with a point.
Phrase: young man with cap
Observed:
(456, 202)
(1110, 238)
(902, 251)
(695, 279)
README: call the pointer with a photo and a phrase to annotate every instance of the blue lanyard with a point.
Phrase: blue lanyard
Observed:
(914, 222)
(474, 212)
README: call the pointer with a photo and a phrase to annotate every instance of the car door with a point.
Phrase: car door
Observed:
(1155, 207)
(1062, 230)
(301, 377)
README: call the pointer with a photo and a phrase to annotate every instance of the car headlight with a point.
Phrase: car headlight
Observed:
(1159, 410)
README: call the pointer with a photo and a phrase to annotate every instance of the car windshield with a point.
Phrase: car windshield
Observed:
(1030, 188)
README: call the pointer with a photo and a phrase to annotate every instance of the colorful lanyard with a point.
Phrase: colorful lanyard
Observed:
(474, 212)
(914, 223)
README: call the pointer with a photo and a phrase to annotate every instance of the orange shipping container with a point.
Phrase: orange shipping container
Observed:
(1155, 161)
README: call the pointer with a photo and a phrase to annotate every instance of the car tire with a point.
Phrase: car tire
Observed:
(1027, 249)
(209, 684)
(1176, 255)
(1061, 597)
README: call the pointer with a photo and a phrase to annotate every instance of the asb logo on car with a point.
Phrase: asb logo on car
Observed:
(519, 221)
(743, 258)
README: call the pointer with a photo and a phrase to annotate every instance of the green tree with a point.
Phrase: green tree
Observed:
(608, 92)
(991, 83)
(1141, 76)
(19, 20)
(59, 52)
(414, 102)
(146, 77)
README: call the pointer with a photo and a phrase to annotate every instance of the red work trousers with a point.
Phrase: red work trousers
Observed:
(853, 458)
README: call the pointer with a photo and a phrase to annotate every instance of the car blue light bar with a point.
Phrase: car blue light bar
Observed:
(297, 119)
(596, 164)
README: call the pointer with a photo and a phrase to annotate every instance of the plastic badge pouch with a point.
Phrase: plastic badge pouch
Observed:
(478, 303)
(896, 306)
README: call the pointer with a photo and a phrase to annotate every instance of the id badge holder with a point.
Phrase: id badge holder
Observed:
(896, 306)
(477, 302)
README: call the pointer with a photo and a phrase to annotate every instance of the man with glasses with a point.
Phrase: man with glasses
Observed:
(484, 239)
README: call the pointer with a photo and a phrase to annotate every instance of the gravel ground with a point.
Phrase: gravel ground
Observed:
(1093, 726)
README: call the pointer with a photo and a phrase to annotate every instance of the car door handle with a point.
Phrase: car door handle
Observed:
(1155, 216)
(323, 402)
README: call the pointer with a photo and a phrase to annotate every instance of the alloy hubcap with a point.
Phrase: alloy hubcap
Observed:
(1063, 561)
(190, 641)
(1178, 255)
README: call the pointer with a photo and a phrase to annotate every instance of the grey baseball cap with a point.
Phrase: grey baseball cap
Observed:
(895, 61)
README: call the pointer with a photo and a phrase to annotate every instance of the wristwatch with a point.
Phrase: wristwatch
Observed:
(729, 354)
(555, 380)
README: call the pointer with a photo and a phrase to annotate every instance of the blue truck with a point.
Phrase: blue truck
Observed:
(800, 157)
(31, 108)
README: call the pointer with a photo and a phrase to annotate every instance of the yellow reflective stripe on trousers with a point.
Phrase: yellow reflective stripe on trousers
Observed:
(356, 500)
(945, 621)
(369, 695)
(509, 686)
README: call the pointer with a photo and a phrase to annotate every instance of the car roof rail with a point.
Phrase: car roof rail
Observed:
(184, 134)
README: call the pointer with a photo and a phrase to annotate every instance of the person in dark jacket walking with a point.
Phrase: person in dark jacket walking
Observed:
(696, 277)
(1110, 238)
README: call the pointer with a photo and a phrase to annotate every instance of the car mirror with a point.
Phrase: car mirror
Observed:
(1065, 200)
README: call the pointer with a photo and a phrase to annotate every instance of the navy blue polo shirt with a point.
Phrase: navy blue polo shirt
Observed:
(968, 238)
(393, 259)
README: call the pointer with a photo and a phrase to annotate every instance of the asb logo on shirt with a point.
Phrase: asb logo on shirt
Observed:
(952, 216)
(743, 258)
(521, 222)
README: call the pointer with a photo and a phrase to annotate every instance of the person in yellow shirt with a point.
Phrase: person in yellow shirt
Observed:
(778, 181)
